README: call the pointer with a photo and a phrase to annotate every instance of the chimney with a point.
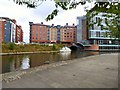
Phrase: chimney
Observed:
(52, 25)
(41, 22)
(20, 26)
(66, 24)
(30, 23)
(14, 21)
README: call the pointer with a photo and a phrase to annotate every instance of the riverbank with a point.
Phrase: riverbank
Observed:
(12, 48)
(99, 71)
(19, 53)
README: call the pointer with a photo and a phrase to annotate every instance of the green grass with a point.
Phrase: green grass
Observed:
(29, 48)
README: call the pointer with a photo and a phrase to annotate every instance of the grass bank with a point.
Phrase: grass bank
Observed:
(13, 48)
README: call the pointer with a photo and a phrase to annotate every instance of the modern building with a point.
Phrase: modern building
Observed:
(94, 34)
(95, 37)
(97, 34)
(82, 29)
(41, 33)
(8, 28)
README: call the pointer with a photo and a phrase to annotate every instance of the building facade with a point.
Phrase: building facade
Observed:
(53, 34)
(41, 33)
(94, 34)
(97, 34)
(19, 34)
(68, 34)
(8, 29)
(1, 31)
(82, 29)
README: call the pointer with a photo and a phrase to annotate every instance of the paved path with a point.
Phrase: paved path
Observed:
(100, 71)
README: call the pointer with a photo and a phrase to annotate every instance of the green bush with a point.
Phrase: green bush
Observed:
(11, 46)
(22, 46)
(53, 47)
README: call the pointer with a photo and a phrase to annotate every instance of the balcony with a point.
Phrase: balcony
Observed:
(99, 34)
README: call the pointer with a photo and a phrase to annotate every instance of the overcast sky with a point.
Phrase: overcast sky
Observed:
(23, 14)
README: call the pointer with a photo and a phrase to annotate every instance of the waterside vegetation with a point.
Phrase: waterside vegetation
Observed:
(13, 48)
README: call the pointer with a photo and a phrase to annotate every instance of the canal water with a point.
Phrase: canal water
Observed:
(19, 62)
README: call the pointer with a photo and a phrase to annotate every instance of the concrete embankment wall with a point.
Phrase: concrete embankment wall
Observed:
(18, 53)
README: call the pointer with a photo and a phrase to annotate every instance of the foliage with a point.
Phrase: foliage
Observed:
(111, 12)
(11, 46)
(54, 47)
(29, 48)
(22, 46)
(64, 4)
(109, 7)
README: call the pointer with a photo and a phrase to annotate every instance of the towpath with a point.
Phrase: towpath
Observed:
(99, 71)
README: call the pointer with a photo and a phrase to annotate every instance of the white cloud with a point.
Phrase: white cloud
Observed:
(23, 14)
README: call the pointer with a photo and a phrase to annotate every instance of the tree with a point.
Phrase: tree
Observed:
(110, 8)
(111, 11)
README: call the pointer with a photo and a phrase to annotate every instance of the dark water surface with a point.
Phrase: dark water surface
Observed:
(19, 62)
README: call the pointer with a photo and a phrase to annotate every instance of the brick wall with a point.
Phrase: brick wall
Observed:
(93, 47)
(1, 31)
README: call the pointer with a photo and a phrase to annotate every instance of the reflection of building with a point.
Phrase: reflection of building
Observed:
(65, 55)
(40, 33)
(25, 63)
(8, 30)
(0, 64)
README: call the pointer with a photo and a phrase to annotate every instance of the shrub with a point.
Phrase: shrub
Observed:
(22, 46)
(53, 47)
(11, 46)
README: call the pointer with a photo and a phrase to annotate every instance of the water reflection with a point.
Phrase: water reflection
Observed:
(25, 63)
(19, 62)
(65, 55)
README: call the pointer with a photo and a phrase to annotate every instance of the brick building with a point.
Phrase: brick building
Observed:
(1, 31)
(41, 33)
(68, 34)
(8, 29)
(19, 34)
(53, 34)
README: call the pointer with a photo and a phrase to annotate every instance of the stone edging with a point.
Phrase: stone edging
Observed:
(19, 53)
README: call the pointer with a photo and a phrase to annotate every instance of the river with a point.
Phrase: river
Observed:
(12, 63)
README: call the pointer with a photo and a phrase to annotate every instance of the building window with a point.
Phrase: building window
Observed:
(97, 19)
(102, 34)
(36, 34)
(92, 27)
(101, 27)
(97, 34)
